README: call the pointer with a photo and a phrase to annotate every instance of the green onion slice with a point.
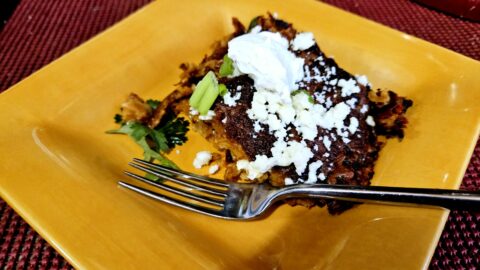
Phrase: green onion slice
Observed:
(222, 89)
(205, 93)
(227, 66)
(201, 88)
(310, 97)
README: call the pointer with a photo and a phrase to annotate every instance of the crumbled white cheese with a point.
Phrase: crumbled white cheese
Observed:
(274, 123)
(193, 111)
(202, 158)
(326, 141)
(362, 79)
(292, 152)
(224, 120)
(213, 169)
(289, 181)
(258, 109)
(351, 102)
(265, 108)
(265, 57)
(320, 97)
(353, 125)
(334, 70)
(348, 87)
(303, 41)
(322, 176)
(364, 108)
(334, 117)
(257, 127)
(333, 82)
(342, 133)
(312, 171)
(301, 101)
(252, 169)
(328, 103)
(315, 75)
(231, 101)
(304, 122)
(209, 116)
(370, 121)
(286, 114)
(283, 154)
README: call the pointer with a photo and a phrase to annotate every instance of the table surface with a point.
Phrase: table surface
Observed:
(40, 31)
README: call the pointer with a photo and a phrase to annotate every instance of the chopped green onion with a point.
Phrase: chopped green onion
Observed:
(227, 67)
(205, 93)
(208, 99)
(296, 92)
(310, 97)
(222, 89)
(201, 88)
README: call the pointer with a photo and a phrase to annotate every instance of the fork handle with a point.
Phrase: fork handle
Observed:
(451, 199)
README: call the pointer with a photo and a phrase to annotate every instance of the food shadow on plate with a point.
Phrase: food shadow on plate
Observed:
(313, 239)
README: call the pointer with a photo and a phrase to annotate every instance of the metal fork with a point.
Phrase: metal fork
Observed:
(225, 200)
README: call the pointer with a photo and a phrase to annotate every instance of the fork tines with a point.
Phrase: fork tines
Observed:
(193, 192)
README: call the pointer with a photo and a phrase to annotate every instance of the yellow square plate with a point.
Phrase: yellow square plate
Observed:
(59, 169)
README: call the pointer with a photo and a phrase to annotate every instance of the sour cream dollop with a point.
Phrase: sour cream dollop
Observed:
(265, 57)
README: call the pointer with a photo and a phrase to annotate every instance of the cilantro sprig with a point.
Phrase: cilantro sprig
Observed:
(157, 141)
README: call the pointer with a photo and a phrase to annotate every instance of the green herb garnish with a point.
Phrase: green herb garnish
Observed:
(205, 93)
(208, 99)
(153, 103)
(227, 66)
(303, 91)
(156, 141)
(174, 130)
(253, 23)
(201, 88)
(222, 89)
(140, 134)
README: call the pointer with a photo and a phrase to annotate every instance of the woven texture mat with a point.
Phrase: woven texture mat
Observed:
(40, 31)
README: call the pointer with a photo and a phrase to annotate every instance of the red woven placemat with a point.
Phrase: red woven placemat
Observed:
(41, 31)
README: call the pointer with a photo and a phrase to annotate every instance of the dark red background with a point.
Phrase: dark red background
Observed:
(41, 31)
